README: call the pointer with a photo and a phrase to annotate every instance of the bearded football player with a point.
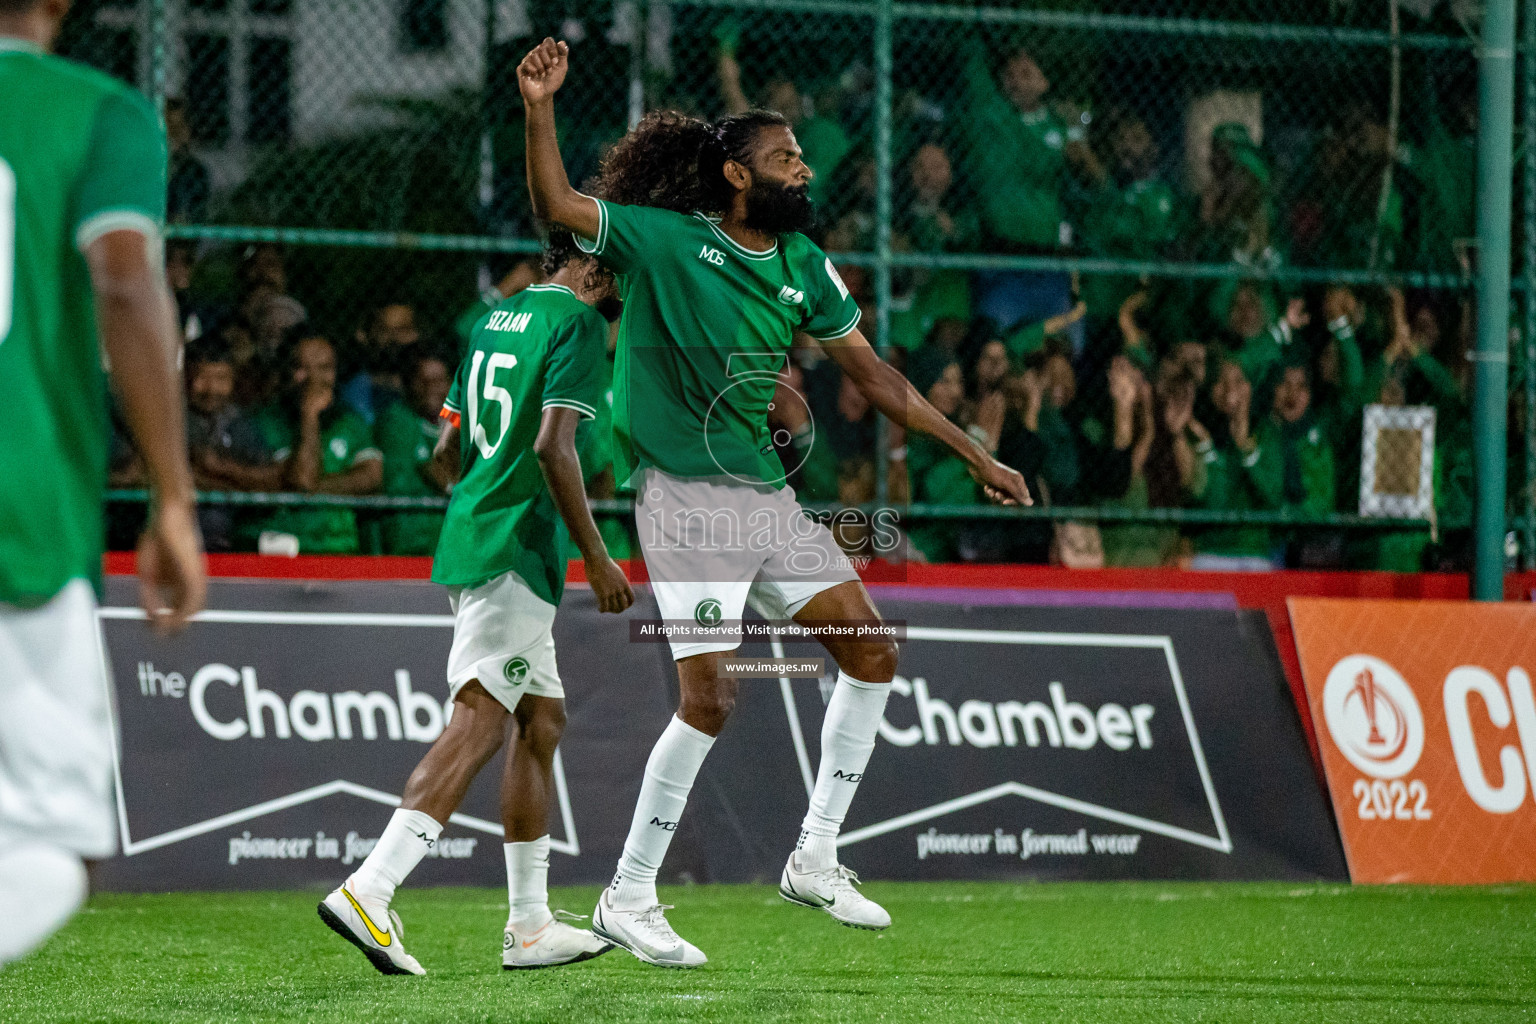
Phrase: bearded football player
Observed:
(702, 225)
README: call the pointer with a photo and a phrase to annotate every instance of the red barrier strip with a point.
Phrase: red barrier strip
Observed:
(1266, 591)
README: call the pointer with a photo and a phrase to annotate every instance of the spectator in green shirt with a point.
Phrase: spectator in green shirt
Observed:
(823, 142)
(1407, 372)
(1020, 151)
(1338, 218)
(322, 446)
(1121, 450)
(930, 220)
(1306, 464)
(1260, 339)
(937, 476)
(1131, 213)
(1240, 477)
(1442, 170)
(1234, 220)
(407, 433)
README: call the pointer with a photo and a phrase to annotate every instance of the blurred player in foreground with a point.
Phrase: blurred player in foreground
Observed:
(82, 197)
(533, 370)
(701, 223)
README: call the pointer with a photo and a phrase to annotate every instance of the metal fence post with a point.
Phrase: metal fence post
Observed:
(1528, 272)
(1495, 129)
(884, 14)
(157, 52)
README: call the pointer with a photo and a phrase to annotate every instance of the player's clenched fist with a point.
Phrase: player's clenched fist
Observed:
(609, 585)
(542, 72)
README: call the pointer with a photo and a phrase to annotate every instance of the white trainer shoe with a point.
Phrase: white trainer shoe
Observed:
(645, 933)
(550, 946)
(347, 917)
(833, 890)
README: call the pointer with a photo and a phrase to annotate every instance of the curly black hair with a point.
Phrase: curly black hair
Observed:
(676, 162)
(560, 251)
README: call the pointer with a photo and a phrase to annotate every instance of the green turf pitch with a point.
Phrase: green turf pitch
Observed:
(957, 952)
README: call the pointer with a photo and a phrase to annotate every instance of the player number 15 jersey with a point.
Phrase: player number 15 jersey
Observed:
(541, 348)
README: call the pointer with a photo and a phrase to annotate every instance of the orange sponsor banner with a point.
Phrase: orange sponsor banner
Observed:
(1427, 726)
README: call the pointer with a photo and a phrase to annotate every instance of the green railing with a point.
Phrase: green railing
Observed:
(389, 153)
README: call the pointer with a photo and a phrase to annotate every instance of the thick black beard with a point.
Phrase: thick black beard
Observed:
(779, 209)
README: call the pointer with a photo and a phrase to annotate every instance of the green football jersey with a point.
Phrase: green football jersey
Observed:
(706, 327)
(346, 440)
(81, 155)
(541, 348)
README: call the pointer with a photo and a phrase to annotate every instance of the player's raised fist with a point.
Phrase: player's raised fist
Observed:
(542, 72)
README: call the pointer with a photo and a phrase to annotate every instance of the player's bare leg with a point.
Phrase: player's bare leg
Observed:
(813, 877)
(471, 738)
(358, 910)
(533, 936)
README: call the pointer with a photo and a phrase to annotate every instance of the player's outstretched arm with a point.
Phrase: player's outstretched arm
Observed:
(556, 450)
(539, 77)
(138, 330)
(891, 393)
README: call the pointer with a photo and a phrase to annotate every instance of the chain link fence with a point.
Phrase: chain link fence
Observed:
(1200, 270)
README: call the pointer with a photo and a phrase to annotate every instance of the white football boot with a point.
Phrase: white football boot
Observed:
(645, 933)
(359, 925)
(550, 946)
(833, 890)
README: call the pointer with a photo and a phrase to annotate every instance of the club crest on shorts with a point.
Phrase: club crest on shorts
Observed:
(708, 612)
(516, 671)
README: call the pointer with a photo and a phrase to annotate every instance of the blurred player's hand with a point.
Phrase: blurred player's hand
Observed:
(542, 72)
(608, 584)
(1003, 484)
(173, 582)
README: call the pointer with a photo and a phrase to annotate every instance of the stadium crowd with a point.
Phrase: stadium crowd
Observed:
(1115, 390)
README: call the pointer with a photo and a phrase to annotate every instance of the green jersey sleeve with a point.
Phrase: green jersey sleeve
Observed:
(123, 180)
(833, 311)
(626, 233)
(574, 379)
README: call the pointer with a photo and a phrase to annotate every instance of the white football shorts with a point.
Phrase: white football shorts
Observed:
(56, 730)
(502, 637)
(714, 546)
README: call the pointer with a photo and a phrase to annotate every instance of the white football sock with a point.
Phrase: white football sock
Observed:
(669, 775)
(406, 839)
(847, 740)
(40, 887)
(528, 885)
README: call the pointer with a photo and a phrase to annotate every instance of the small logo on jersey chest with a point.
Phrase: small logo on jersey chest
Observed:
(339, 447)
(505, 320)
(714, 257)
(790, 297)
